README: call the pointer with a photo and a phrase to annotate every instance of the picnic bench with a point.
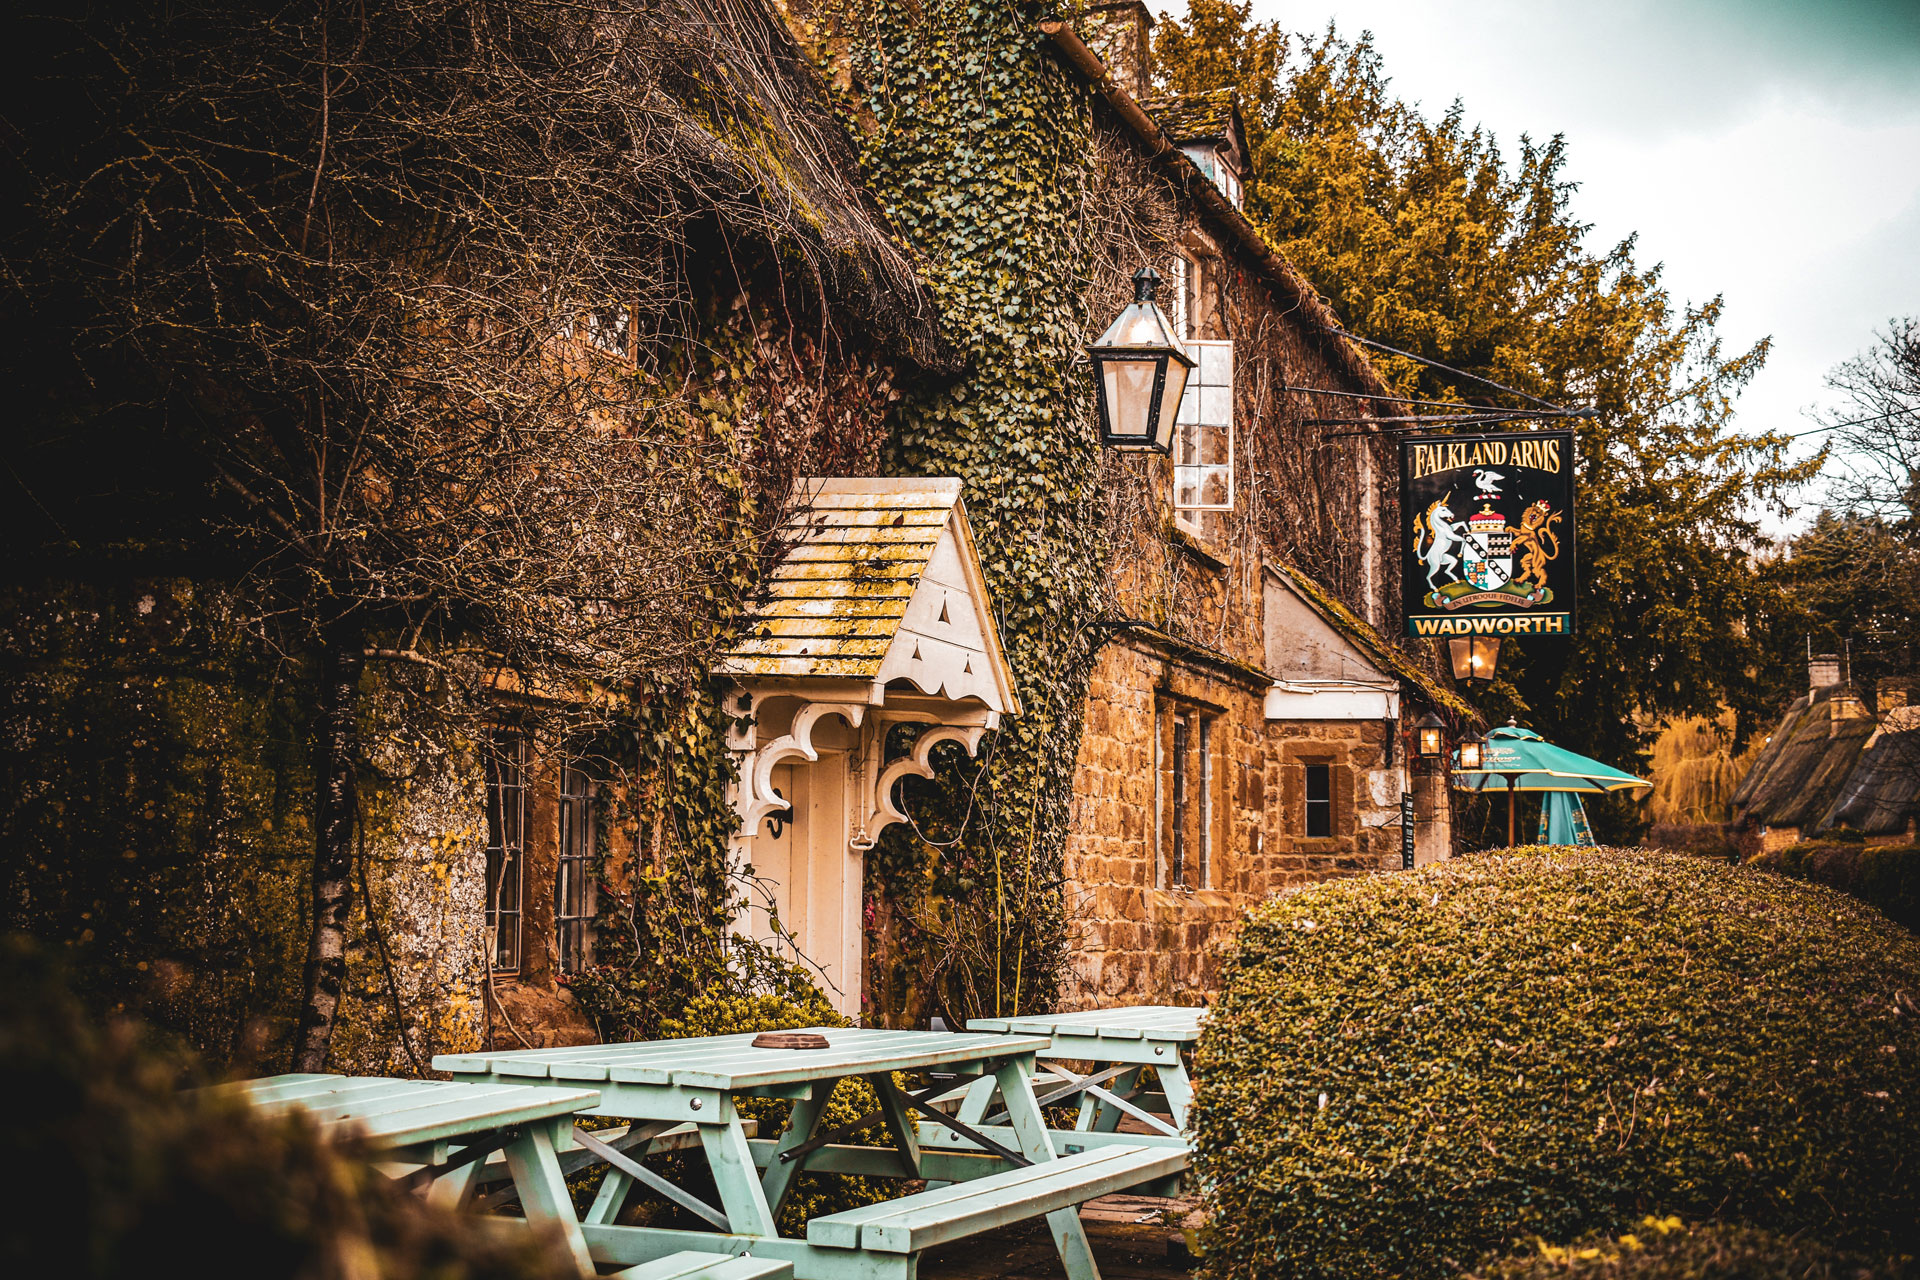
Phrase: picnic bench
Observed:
(442, 1132)
(1122, 1044)
(1017, 1174)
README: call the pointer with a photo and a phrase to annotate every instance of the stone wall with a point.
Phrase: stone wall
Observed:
(1134, 936)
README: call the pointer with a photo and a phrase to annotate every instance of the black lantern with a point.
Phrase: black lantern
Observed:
(1470, 756)
(1474, 657)
(1432, 735)
(1139, 373)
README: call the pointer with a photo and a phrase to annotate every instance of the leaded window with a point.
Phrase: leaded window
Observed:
(506, 765)
(573, 878)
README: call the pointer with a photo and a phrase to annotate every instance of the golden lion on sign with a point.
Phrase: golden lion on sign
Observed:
(1532, 538)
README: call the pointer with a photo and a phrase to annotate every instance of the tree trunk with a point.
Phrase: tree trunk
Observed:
(335, 810)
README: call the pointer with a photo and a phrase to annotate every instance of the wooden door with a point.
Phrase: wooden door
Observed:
(809, 880)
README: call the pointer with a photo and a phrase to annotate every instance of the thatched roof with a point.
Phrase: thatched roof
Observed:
(1807, 760)
(754, 135)
(1882, 794)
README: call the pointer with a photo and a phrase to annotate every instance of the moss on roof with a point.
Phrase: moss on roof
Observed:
(1212, 115)
(1807, 760)
(1389, 658)
(1882, 793)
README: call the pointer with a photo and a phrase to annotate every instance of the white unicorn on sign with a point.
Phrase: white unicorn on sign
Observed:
(1441, 533)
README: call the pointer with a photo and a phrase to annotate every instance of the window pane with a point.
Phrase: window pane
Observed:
(506, 825)
(1319, 804)
(573, 884)
(1177, 868)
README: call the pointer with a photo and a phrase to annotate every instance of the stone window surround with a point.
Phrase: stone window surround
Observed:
(1294, 757)
(1211, 848)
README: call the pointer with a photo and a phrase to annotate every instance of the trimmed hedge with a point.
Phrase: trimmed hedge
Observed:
(1662, 1249)
(1884, 876)
(1405, 1072)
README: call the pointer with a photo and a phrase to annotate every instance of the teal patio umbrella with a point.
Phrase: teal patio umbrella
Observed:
(1513, 759)
(1563, 820)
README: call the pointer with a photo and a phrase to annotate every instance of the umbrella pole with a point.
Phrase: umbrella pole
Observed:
(1510, 796)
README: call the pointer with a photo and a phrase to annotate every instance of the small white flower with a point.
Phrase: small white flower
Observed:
(1323, 1102)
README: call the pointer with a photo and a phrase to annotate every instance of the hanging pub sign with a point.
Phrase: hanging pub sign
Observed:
(1487, 539)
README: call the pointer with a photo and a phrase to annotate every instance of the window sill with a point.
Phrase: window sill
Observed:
(1196, 549)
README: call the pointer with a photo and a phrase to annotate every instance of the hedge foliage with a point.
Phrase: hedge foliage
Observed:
(1406, 1072)
(1665, 1249)
(1886, 876)
(118, 1173)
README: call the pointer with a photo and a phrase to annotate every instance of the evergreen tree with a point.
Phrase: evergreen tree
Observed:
(1423, 234)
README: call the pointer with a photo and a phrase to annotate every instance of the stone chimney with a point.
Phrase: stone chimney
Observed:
(1823, 669)
(1121, 36)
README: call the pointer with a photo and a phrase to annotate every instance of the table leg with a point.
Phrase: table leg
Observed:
(543, 1189)
(736, 1179)
(1179, 1089)
(1030, 1127)
(906, 1138)
(979, 1096)
(452, 1190)
(612, 1196)
(777, 1183)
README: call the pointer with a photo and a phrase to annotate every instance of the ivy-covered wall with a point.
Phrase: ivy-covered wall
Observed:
(158, 757)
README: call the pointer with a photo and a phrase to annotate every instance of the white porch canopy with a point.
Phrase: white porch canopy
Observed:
(877, 617)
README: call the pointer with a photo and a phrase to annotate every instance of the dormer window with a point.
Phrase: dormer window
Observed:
(1212, 161)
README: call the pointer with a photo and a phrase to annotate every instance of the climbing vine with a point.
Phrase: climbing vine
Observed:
(974, 139)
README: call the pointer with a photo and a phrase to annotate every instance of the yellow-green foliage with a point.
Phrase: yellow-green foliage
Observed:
(1404, 1072)
(157, 815)
(800, 1005)
(1694, 772)
(1664, 1248)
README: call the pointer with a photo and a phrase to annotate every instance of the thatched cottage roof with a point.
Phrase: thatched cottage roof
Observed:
(1882, 795)
(743, 117)
(1807, 760)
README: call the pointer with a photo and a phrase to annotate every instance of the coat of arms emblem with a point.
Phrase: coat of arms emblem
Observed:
(1489, 550)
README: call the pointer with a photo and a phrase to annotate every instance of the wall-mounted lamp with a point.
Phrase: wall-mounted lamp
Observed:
(1139, 373)
(1431, 733)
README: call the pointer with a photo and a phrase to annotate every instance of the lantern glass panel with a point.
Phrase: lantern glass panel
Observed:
(1169, 405)
(1429, 742)
(1470, 754)
(1129, 395)
(1474, 658)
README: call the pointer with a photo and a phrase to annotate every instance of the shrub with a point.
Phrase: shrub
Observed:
(1663, 1249)
(1405, 1072)
(1885, 876)
(117, 1173)
(779, 997)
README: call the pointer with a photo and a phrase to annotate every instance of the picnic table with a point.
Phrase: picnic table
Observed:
(1121, 1044)
(988, 1181)
(446, 1131)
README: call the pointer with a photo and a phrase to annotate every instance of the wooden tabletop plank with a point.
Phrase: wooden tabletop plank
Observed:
(1153, 1022)
(732, 1063)
(395, 1112)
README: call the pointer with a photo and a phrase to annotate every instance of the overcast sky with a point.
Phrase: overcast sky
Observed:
(1766, 151)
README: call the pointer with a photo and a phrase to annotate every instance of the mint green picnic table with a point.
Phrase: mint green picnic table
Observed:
(659, 1085)
(1121, 1044)
(448, 1130)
